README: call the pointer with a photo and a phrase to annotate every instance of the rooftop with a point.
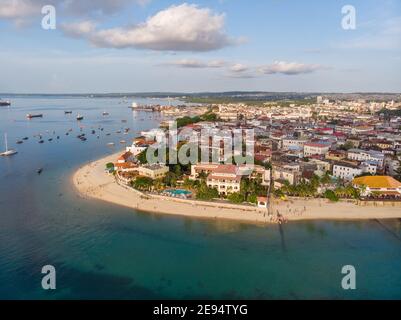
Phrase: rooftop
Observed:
(377, 182)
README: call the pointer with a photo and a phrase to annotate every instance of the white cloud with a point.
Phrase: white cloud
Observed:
(19, 9)
(197, 64)
(178, 28)
(79, 29)
(289, 68)
(239, 68)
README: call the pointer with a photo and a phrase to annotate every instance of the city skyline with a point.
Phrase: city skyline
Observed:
(164, 46)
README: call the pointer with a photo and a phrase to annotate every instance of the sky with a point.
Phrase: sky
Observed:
(104, 46)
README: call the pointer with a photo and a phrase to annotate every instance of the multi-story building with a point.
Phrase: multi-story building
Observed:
(225, 179)
(366, 155)
(315, 149)
(290, 143)
(346, 171)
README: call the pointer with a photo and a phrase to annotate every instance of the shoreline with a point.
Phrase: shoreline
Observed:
(91, 181)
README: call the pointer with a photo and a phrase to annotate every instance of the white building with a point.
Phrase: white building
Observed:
(346, 171)
(137, 149)
(291, 143)
(366, 155)
(316, 149)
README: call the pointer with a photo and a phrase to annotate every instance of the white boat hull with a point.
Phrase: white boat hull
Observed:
(8, 153)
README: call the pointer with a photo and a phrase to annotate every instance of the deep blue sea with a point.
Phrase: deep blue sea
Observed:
(102, 251)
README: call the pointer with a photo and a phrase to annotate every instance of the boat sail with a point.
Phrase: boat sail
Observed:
(7, 152)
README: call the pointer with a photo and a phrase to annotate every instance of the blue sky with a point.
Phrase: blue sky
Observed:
(209, 45)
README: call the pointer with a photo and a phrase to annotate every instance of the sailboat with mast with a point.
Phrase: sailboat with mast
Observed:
(10, 152)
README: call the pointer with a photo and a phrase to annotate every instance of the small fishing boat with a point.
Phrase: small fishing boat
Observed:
(110, 144)
(8, 152)
(123, 142)
(5, 103)
(50, 140)
(41, 141)
(67, 112)
(19, 142)
(39, 171)
(79, 117)
(26, 138)
(31, 116)
(105, 113)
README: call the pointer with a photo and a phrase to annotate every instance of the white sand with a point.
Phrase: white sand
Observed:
(93, 182)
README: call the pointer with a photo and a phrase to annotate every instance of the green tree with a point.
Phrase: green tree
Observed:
(110, 166)
(170, 179)
(253, 198)
(236, 198)
(326, 179)
(206, 193)
(331, 195)
(142, 184)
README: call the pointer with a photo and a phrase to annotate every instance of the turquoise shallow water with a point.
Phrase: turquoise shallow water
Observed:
(107, 252)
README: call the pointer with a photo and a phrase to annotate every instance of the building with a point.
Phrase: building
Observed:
(290, 173)
(378, 186)
(290, 143)
(202, 169)
(125, 157)
(321, 166)
(136, 149)
(316, 149)
(126, 167)
(346, 171)
(336, 155)
(263, 202)
(156, 171)
(366, 155)
(225, 179)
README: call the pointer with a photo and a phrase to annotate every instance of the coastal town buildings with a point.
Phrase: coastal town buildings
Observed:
(292, 144)
(383, 186)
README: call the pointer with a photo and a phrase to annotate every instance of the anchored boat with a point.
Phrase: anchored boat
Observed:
(5, 103)
(8, 152)
(31, 116)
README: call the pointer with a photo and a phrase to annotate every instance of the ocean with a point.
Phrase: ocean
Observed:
(103, 251)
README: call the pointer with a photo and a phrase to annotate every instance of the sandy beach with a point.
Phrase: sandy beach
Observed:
(91, 181)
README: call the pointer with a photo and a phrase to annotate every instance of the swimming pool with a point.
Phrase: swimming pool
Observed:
(179, 192)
